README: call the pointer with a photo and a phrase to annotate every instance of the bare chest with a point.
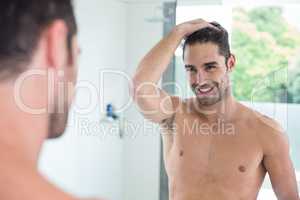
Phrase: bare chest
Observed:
(214, 152)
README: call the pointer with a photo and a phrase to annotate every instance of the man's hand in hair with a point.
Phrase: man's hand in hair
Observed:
(187, 28)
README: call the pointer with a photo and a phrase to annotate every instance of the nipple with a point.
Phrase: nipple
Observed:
(181, 153)
(242, 168)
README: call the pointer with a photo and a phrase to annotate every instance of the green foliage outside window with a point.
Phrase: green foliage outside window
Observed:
(266, 47)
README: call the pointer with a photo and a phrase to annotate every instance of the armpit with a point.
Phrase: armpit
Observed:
(169, 123)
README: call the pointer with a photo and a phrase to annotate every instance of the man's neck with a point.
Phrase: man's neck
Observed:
(21, 133)
(223, 110)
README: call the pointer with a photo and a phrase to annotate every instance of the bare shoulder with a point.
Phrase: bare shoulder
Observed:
(269, 132)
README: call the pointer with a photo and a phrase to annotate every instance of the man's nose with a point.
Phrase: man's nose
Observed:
(201, 78)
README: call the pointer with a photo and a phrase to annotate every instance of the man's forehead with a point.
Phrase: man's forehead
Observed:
(202, 53)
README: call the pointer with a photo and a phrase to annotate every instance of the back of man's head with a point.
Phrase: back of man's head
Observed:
(21, 23)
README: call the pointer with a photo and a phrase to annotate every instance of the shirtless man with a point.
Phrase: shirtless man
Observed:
(37, 37)
(204, 161)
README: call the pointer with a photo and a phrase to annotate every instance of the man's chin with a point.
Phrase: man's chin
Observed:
(207, 101)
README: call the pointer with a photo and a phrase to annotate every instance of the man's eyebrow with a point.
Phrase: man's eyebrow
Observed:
(210, 63)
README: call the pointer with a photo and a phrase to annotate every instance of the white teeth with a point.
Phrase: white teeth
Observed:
(205, 90)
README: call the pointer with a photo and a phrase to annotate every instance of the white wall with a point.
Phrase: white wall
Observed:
(141, 147)
(83, 162)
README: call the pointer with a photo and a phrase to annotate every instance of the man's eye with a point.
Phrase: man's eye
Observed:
(210, 67)
(191, 69)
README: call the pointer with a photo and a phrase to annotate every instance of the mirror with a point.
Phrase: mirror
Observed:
(260, 81)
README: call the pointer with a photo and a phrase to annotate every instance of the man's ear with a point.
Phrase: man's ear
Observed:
(56, 39)
(231, 63)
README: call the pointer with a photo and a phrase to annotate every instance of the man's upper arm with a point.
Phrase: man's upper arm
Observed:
(155, 104)
(278, 163)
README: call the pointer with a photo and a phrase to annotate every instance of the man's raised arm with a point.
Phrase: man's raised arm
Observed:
(154, 103)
